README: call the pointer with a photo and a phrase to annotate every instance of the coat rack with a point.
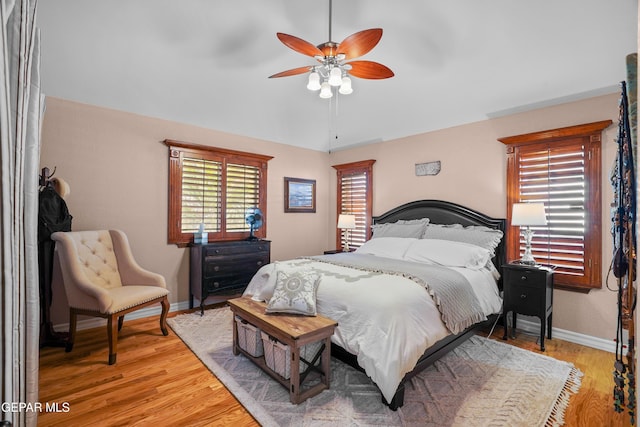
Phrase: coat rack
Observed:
(53, 216)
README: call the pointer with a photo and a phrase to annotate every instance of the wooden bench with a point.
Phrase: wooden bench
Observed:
(295, 331)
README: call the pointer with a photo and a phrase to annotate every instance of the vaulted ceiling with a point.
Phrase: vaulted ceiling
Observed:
(206, 62)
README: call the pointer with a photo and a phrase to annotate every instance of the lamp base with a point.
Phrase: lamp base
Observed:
(527, 257)
(345, 247)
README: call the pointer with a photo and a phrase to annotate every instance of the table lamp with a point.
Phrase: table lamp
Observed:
(346, 222)
(528, 214)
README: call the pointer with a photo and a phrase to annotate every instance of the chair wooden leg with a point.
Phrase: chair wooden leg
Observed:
(120, 322)
(112, 333)
(163, 316)
(73, 320)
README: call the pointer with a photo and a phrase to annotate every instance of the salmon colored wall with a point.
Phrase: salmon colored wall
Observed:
(474, 175)
(117, 168)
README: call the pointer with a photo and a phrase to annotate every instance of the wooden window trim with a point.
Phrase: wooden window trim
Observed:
(591, 136)
(176, 150)
(363, 166)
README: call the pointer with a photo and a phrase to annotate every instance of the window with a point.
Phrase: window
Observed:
(562, 169)
(355, 197)
(214, 187)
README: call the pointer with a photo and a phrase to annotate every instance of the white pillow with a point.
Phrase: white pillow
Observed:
(448, 253)
(477, 235)
(401, 228)
(388, 247)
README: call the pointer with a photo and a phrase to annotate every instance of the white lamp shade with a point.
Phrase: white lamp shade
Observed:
(528, 214)
(325, 91)
(346, 221)
(335, 77)
(345, 87)
(314, 81)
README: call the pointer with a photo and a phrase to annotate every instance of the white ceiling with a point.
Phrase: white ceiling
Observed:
(206, 62)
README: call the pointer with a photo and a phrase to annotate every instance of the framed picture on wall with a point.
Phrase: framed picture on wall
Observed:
(299, 195)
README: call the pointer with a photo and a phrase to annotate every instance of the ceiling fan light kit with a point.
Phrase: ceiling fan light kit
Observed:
(333, 71)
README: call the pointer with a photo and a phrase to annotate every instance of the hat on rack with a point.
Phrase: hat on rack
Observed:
(61, 186)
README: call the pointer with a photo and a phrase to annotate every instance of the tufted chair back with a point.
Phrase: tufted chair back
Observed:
(101, 278)
(97, 257)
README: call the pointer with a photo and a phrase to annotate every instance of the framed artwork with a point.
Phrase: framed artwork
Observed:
(299, 195)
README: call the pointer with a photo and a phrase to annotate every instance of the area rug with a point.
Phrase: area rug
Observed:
(481, 383)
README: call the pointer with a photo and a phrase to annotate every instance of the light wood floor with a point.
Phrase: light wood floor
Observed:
(158, 381)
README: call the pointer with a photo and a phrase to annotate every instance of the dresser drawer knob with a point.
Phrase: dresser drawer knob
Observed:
(216, 268)
(216, 284)
(259, 263)
(523, 278)
(523, 296)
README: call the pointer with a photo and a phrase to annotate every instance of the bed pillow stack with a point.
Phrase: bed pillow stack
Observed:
(420, 241)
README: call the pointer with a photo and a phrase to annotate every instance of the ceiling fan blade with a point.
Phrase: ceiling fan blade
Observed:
(299, 45)
(369, 70)
(360, 43)
(292, 72)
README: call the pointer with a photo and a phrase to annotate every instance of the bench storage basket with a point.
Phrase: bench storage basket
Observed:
(249, 337)
(277, 355)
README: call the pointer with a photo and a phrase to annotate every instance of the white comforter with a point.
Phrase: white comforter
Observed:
(387, 321)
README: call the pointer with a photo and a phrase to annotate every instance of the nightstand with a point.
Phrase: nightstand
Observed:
(528, 290)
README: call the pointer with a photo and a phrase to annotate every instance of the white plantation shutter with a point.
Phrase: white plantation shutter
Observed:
(201, 195)
(556, 177)
(243, 192)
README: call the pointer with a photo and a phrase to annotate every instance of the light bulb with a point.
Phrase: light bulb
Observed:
(335, 76)
(345, 87)
(325, 91)
(314, 81)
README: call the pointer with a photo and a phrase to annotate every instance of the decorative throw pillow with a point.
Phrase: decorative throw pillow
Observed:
(295, 293)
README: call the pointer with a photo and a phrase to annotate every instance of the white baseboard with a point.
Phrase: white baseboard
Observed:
(523, 324)
(574, 337)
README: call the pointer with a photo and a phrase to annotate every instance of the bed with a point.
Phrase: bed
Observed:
(388, 326)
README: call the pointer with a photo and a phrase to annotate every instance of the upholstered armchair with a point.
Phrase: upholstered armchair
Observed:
(101, 278)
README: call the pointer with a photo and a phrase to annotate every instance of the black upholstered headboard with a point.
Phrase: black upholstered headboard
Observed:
(441, 212)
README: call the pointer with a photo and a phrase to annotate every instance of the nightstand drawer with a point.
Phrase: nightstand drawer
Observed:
(525, 300)
(523, 277)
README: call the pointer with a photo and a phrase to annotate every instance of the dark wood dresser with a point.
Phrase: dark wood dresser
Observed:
(225, 268)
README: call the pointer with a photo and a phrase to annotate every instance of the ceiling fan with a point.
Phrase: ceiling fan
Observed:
(333, 70)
